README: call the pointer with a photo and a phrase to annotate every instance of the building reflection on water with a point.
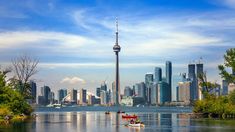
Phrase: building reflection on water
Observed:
(98, 121)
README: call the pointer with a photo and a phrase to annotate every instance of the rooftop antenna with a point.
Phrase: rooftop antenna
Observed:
(105, 80)
(200, 60)
(116, 31)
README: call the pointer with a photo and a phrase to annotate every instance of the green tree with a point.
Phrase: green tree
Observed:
(206, 86)
(12, 99)
(24, 68)
(229, 62)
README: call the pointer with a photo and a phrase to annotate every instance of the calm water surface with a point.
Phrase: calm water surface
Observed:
(99, 122)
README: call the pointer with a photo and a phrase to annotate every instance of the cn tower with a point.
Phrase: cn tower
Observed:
(116, 49)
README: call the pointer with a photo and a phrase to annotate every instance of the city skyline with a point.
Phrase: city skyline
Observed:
(75, 50)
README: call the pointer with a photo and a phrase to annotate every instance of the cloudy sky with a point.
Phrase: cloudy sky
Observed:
(73, 39)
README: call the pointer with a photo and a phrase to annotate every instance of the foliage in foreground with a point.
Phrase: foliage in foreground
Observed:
(212, 106)
(11, 101)
(222, 106)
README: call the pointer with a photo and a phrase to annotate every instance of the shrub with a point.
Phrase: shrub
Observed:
(4, 110)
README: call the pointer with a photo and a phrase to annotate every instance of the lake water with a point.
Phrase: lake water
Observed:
(99, 122)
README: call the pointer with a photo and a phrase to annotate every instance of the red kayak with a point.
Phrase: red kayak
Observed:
(129, 116)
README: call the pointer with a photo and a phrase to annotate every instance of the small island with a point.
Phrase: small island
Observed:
(223, 106)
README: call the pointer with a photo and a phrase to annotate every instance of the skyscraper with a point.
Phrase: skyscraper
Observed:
(184, 91)
(52, 97)
(128, 91)
(154, 94)
(191, 71)
(225, 87)
(176, 79)
(103, 97)
(103, 86)
(82, 97)
(116, 49)
(168, 72)
(199, 69)
(141, 89)
(45, 91)
(113, 98)
(33, 87)
(169, 76)
(199, 73)
(164, 93)
(61, 94)
(192, 78)
(148, 83)
(74, 97)
(98, 92)
(158, 74)
(91, 100)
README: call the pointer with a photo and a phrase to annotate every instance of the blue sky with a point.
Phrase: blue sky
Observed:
(74, 38)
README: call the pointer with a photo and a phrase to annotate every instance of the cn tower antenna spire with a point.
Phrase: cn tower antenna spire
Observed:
(116, 24)
(116, 31)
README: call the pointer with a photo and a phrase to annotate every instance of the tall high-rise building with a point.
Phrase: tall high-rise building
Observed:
(133, 90)
(141, 89)
(199, 73)
(116, 49)
(91, 100)
(74, 97)
(164, 92)
(148, 84)
(136, 89)
(33, 87)
(192, 78)
(41, 100)
(103, 97)
(199, 69)
(109, 96)
(61, 94)
(176, 79)
(158, 74)
(52, 97)
(154, 93)
(103, 86)
(45, 91)
(82, 97)
(191, 71)
(225, 87)
(168, 72)
(169, 76)
(113, 98)
(184, 91)
(128, 91)
(98, 92)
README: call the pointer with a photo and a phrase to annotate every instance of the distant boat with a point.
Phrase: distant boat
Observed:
(136, 125)
(120, 112)
(129, 116)
(57, 106)
(107, 112)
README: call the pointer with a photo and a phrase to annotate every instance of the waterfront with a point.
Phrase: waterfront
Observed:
(75, 108)
(92, 121)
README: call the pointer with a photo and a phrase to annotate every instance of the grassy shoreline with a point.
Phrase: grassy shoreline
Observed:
(13, 119)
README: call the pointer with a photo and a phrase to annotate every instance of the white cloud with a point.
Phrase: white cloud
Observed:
(228, 3)
(139, 37)
(73, 80)
(112, 65)
(26, 38)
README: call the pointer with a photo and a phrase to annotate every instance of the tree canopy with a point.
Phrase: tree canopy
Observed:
(229, 62)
